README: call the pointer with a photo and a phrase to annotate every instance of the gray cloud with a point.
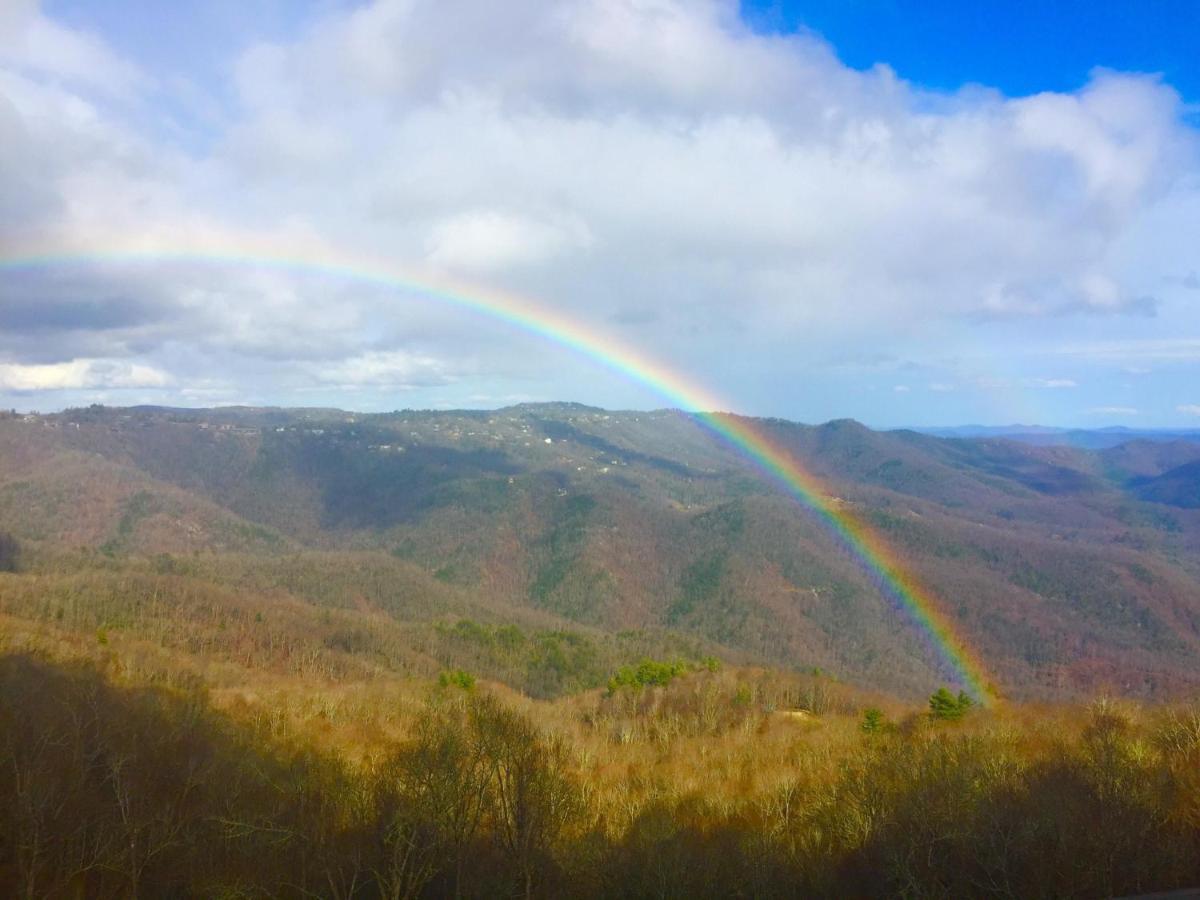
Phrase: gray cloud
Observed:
(31, 307)
(27, 195)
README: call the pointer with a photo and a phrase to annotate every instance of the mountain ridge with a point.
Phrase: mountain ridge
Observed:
(1061, 564)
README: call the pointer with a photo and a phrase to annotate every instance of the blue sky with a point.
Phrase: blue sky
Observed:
(909, 213)
(1018, 48)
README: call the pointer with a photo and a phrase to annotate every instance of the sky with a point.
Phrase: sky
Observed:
(907, 213)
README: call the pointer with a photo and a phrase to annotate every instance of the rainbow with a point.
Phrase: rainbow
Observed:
(894, 580)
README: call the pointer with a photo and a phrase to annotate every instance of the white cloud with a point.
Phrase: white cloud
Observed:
(900, 389)
(1113, 411)
(666, 130)
(1051, 383)
(384, 369)
(737, 204)
(81, 374)
(36, 43)
(1189, 409)
(487, 239)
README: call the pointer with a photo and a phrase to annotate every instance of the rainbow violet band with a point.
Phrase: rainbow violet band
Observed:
(895, 582)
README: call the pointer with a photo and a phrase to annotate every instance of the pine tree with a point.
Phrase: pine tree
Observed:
(945, 706)
(873, 721)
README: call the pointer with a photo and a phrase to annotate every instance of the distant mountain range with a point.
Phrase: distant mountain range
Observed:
(1092, 438)
(1069, 559)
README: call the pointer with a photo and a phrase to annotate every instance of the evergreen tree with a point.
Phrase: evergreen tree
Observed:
(947, 707)
(873, 721)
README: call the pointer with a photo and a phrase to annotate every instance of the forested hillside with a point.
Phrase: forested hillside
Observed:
(1069, 570)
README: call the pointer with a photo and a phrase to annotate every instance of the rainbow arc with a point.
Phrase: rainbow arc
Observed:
(895, 581)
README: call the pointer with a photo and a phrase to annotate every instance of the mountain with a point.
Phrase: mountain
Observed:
(1179, 486)
(1091, 438)
(1068, 569)
(1148, 459)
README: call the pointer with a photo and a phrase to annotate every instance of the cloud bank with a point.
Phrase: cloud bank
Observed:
(741, 205)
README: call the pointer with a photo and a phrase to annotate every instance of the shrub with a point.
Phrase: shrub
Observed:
(457, 678)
